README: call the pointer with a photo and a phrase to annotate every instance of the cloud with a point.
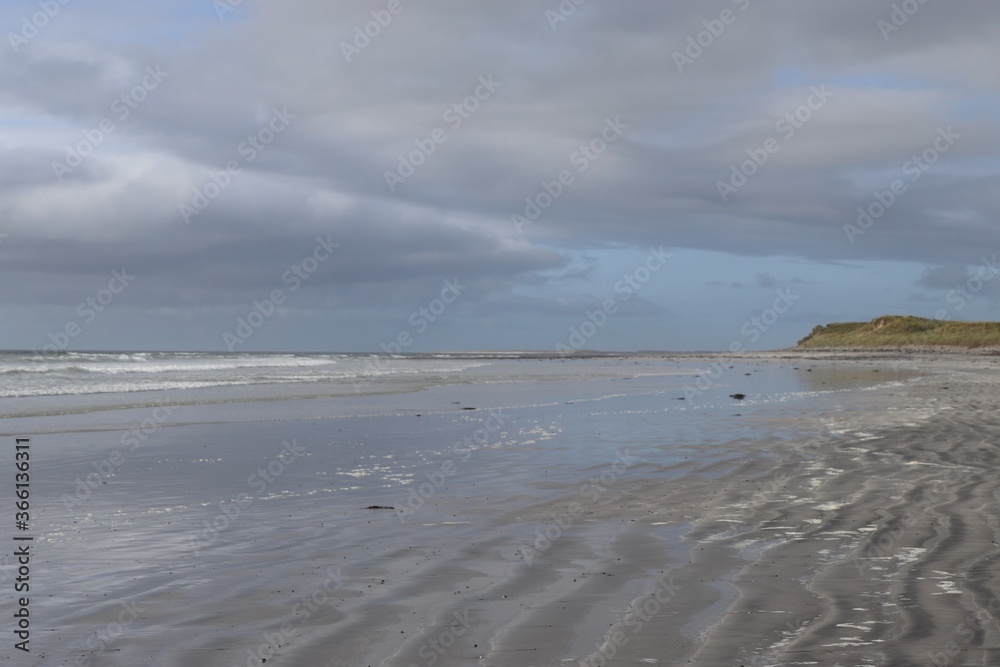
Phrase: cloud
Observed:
(943, 277)
(766, 280)
(547, 115)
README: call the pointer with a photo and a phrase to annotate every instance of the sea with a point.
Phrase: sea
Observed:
(680, 398)
(33, 383)
(75, 373)
(212, 490)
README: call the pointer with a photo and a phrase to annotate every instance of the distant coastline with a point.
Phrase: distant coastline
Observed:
(899, 332)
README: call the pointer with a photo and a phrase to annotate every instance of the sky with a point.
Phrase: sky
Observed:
(403, 176)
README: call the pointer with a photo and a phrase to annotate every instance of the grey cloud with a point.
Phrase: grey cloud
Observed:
(654, 184)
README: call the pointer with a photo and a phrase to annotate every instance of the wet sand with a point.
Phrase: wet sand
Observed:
(884, 544)
(870, 542)
(878, 547)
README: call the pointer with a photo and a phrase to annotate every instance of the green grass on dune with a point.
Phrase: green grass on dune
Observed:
(900, 330)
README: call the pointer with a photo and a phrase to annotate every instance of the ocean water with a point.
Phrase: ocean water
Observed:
(411, 410)
(74, 373)
(182, 480)
(33, 384)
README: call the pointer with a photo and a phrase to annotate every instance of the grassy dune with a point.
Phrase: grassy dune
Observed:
(899, 331)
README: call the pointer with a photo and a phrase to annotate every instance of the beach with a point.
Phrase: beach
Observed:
(613, 510)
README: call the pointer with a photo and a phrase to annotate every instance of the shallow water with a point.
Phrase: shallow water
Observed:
(215, 510)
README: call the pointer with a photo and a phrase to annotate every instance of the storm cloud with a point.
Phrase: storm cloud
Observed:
(532, 151)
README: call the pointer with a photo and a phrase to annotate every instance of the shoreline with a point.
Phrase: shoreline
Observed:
(885, 541)
(576, 531)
